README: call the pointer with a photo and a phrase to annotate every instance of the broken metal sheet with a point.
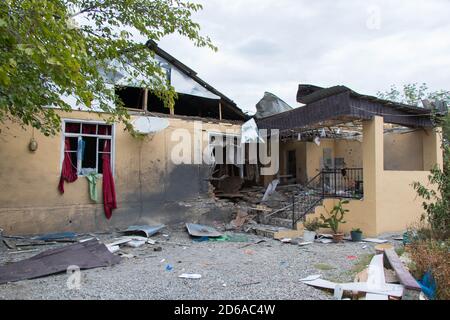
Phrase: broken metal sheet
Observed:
(147, 230)
(269, 105)
(56, 236)
(197, 230)
(85, 255)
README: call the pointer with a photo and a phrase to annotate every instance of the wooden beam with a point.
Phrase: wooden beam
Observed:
(406, 279)
(145, 100)
(220, 110)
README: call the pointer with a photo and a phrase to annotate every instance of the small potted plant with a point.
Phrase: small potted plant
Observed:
(356, 234)
(335, 218)
(311, 227)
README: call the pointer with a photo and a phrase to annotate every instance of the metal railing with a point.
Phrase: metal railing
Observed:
(335, 183)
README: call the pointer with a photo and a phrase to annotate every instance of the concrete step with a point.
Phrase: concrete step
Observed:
(267, 231)
(280, 222)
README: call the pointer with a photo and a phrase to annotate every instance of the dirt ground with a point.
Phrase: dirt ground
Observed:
(268, 270)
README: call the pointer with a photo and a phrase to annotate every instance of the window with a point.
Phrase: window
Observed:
(88, 142)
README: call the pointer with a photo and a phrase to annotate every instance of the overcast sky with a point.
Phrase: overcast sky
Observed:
(273, 45)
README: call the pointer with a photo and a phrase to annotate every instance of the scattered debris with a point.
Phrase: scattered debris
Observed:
(242, 217)
(157, 249)
(270, 189)
(374, 240)
(286, 240)
(352, 257)
(380, 248)
(428, 286)
(113, 249)
(85, 255)
(197, 230)
(250, 244)
(169, 267)
(135, 243)
(376, 278)
(190, 276)
(388, 289)
(148, 231)
(60, 237)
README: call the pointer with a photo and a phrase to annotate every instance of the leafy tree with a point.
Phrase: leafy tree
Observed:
(56, 48)
(413, 93)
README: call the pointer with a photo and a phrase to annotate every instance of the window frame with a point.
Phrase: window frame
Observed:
(111, 137)
(224, 135)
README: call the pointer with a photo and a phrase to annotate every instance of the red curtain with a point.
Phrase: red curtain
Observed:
(109, 192)
(68, 170)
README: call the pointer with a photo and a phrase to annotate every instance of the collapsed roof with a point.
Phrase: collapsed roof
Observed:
(339, 104)
(228, 106)
(269, 105)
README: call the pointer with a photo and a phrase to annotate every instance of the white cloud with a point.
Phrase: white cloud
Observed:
(273, 45)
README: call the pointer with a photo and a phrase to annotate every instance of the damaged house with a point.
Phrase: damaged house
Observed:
(149, 187)
(342, 144)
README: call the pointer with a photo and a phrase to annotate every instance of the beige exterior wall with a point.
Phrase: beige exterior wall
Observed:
(403, 151)
(390, 203)
(309, 155)
(148, 185)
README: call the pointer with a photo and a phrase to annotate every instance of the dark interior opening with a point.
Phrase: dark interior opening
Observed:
(90, 153)
(130, 96)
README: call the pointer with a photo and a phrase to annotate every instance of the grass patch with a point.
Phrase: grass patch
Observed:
(323, 266)
(361, 264)
(400, 250)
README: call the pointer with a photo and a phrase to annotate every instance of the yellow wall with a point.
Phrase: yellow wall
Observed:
(309, 155)
(148, 185)
(403, 151)
(390, 203)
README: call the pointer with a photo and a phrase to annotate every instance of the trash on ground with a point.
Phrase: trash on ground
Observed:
(200, 239)
(428, 285)
(230, 238)
(113, 249)
(60, 237)
(169, 267)
(286, 240)
(146, 230)
(190, 276)
(380, 248)
(302, 244)
(352, 257)
(85, 255)
(198, 230)
(250, 244)
(374, 240)
(135, 243)
(376, 278)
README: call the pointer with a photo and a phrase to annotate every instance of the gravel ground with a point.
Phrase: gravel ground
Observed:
(268, 270)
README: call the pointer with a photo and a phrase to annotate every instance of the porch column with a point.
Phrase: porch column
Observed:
(432, 151)
(373, 166)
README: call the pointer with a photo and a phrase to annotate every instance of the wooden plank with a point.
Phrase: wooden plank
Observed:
(387, 289)
(406, 279)
(376, 278)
